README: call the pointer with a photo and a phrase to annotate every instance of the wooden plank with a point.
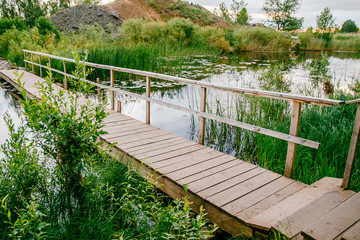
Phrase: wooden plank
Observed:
(294, 131)
(353, 233)
(141, 142)
(352, 150)
(263, 93)
(122, 133)
(335, 222)
(200, 167)
(206, 173)
(40, 67)
(290, 205)
(222, 176)
(154, 146)
(257, 195)
(139, 136)
(165, 149)
(118, 105)
(112, 93)
(202, 119)
(174, 156)
(306, 216)
(188, 160)
(239, 190)
(65, 80)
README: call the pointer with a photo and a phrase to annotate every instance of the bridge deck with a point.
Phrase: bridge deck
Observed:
(241, 198)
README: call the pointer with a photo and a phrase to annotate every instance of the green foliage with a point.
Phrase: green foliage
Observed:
(239, 12)
(274, 80)
(29, 10)
(281, 14)
(45, 26)
(6, 23)
(319, 70)
(182, 30)
(349, 26)
(325, 22)
(263, 39)
(132, 30)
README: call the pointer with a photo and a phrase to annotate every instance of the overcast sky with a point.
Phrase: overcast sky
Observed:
(342, 10)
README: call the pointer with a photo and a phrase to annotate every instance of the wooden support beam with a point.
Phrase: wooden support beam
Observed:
(294, 131)
(352, 150)
(119, 106)
(202, 119)
(32, 65)
(40, 67)
(65, 80)
(148, 102)
(98, 90)
(112, 93)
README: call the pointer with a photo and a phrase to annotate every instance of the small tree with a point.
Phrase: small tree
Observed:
(349, 26)
(281, 13)
(240, 14)
(325, 22)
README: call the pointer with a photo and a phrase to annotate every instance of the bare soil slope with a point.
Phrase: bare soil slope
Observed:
(163, 10)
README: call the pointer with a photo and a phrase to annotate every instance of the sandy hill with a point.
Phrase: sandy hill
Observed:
(163, 10)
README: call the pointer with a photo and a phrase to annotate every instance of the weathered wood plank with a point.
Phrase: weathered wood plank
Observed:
(200, 167)
(206, 173)
(261, 205)
(240, 189)
(160, 138)
(353, 233)
(257, 195)
(165, 149)
(293, 203)
(189, 160)
(306, 216)
(335, 222)
(219, 177)
(154, 146)
(174, 156)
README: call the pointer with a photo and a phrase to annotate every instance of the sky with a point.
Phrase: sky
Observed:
(342, 10)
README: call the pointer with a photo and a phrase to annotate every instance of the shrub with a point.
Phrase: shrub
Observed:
(349, 26)
(154, 31)
(6, 23)
(132, 30)
(45, 26)
(182, 30)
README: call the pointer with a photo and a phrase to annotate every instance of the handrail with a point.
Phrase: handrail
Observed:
(297, 100)
(262, 93)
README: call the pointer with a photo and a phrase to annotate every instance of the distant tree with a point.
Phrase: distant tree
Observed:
(325, 22)
(239, 12)
(280, 13)
(349, 26)
(29, 10)
(224, 12)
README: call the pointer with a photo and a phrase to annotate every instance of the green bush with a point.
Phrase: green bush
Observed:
(182, 30)
(260, 39)
(132, 30)
(6, 23)
(45, 26)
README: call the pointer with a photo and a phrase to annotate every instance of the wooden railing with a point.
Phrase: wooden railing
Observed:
(297, 100)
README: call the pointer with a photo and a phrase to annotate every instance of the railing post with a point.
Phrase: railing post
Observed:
(294, 131)
(352, 150)
(202, 119)
(147, 102)
(119, 106)
(112, 93)
(25, 60)
(98, 90)
(40, 67)
(32, 63)
(65, 80)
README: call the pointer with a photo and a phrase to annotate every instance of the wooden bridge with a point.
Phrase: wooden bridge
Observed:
(241, 198)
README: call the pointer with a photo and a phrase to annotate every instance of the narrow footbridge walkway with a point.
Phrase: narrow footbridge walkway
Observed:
(241, 198)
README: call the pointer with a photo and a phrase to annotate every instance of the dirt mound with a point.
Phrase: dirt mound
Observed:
(163, 10)
(70, 19)
(134, 9)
